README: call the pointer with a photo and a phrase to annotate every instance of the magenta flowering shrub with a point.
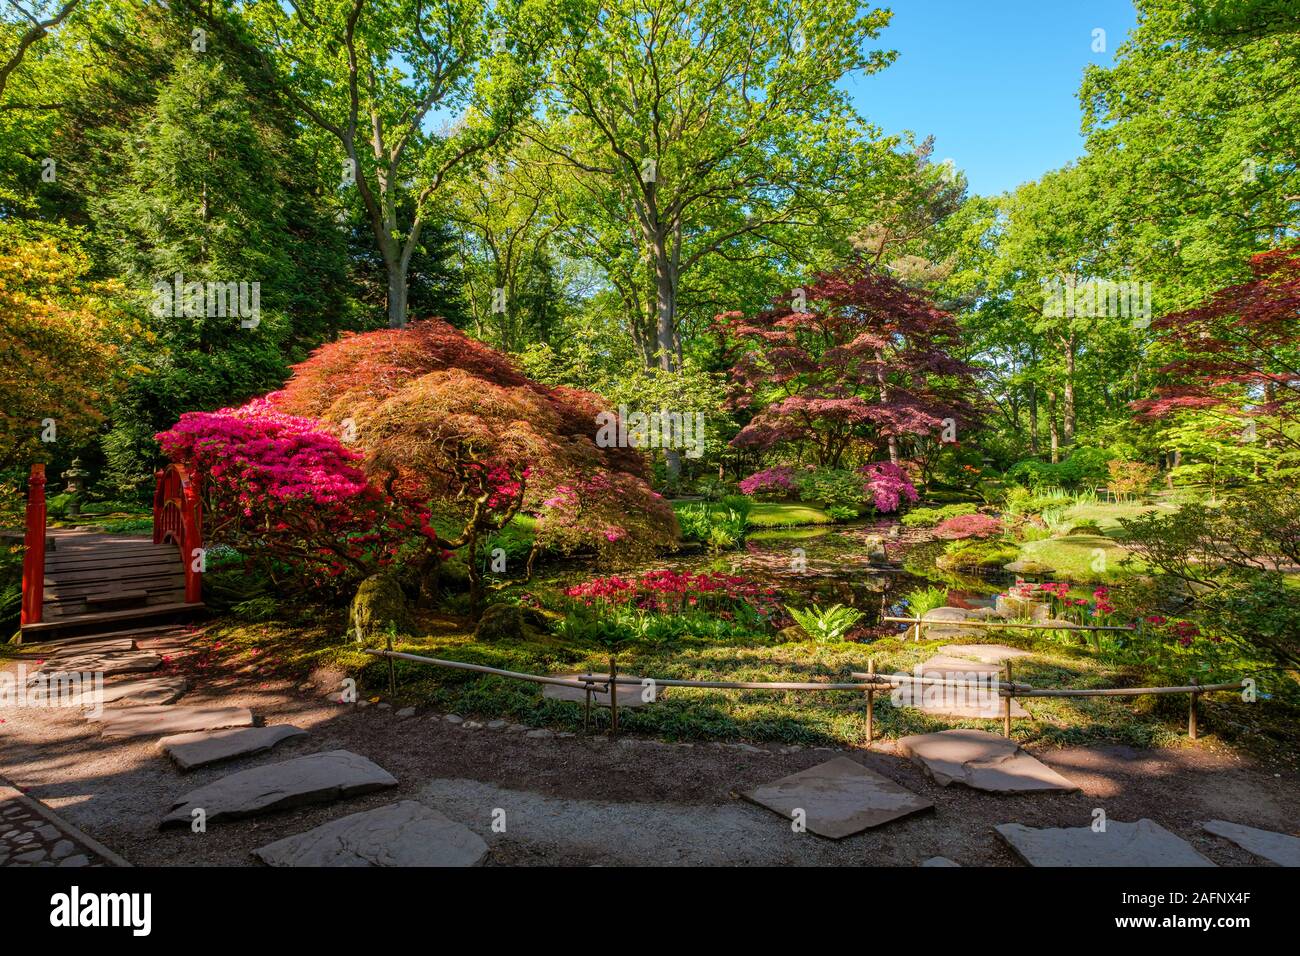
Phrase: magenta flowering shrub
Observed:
(666, 591)
(960, 527)
(777, 480)
(888, 485)
(281, 487)
(265, 453)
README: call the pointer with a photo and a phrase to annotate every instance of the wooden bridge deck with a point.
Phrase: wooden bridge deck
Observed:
(114, 581)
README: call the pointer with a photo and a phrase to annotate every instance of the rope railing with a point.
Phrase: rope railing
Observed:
(869, 683)
(919, 622)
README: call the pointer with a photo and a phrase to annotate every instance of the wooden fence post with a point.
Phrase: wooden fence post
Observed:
(871, 703)
(1006, 705)
(1192, 727)
(613, 695)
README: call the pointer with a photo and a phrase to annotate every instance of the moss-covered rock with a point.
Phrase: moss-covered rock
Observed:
(378, 606)
(503, 622)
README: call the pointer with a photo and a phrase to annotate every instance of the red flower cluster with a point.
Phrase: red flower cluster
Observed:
(667, 590)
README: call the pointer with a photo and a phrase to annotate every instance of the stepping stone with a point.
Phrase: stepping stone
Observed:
(985, 653)
(160, 720)
(144, 690)
(1279, 848)
(318, 778)
(976, 700)
(839, 798)
(401, 834)
(1145, 843)
(205, 747)
(629, 695)
(106, 664)
(981, 760)
(940, 861)
(95, 647)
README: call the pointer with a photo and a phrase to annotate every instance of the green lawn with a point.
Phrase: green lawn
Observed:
(779, 514)
(1086, 558)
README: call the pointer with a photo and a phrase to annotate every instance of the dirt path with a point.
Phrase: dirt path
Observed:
(576, 800)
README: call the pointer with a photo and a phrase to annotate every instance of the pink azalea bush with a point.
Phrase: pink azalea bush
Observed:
(960, 527)
(777, 480)
(888, 485)
(281, 487)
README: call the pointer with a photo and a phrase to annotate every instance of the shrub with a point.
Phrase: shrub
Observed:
(832, 487)
(1130, 478)
(842, 512)
(778, 480)
(968, 526)
(929, 517)
(887, 484)
(826, 626)
(1085, 465)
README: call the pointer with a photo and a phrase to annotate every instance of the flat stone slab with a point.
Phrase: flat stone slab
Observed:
(629, 695)
(940, 861)
(140, 690)
(978, 699)
(107, 664)
(838, 798)
(981, 760)
(111, 646)
(401, 834)
(984, 653)
(1279, 848)
(159, 720)
(318, 778)
(209, 746)
(1145, 843)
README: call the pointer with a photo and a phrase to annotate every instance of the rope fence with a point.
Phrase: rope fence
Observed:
(869, 683)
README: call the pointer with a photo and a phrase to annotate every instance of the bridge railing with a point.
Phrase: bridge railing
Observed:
(178, 519)
(34, 549)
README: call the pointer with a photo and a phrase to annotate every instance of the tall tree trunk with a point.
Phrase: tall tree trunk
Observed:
(1067, 411)
(666, 331)
(1051, 427)
(1033, 418)
(396, 296)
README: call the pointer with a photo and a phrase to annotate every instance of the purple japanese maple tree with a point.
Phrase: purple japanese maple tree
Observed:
(867, 366)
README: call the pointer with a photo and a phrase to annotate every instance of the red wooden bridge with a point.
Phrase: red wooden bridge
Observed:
(77, 581)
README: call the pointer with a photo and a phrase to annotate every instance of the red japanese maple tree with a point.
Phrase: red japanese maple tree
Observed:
(866, 366)
(383, 441)
(1239, 352)
(443, 419)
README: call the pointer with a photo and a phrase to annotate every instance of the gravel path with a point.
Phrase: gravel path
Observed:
(572, 800)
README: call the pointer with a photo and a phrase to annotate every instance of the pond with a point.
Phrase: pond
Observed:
(869, 565)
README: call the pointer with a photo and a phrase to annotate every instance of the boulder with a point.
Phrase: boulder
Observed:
(378, 606)
(945, 614)
(508, 622)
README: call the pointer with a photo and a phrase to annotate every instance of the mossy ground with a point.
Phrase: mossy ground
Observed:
(810, 718)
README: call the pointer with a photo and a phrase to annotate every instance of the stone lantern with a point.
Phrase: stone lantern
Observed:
(74, 486)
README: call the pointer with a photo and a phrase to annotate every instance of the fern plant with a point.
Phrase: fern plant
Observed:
(922, 600)
(828, 625)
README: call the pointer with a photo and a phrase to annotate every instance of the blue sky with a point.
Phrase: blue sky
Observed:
(995, 81)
